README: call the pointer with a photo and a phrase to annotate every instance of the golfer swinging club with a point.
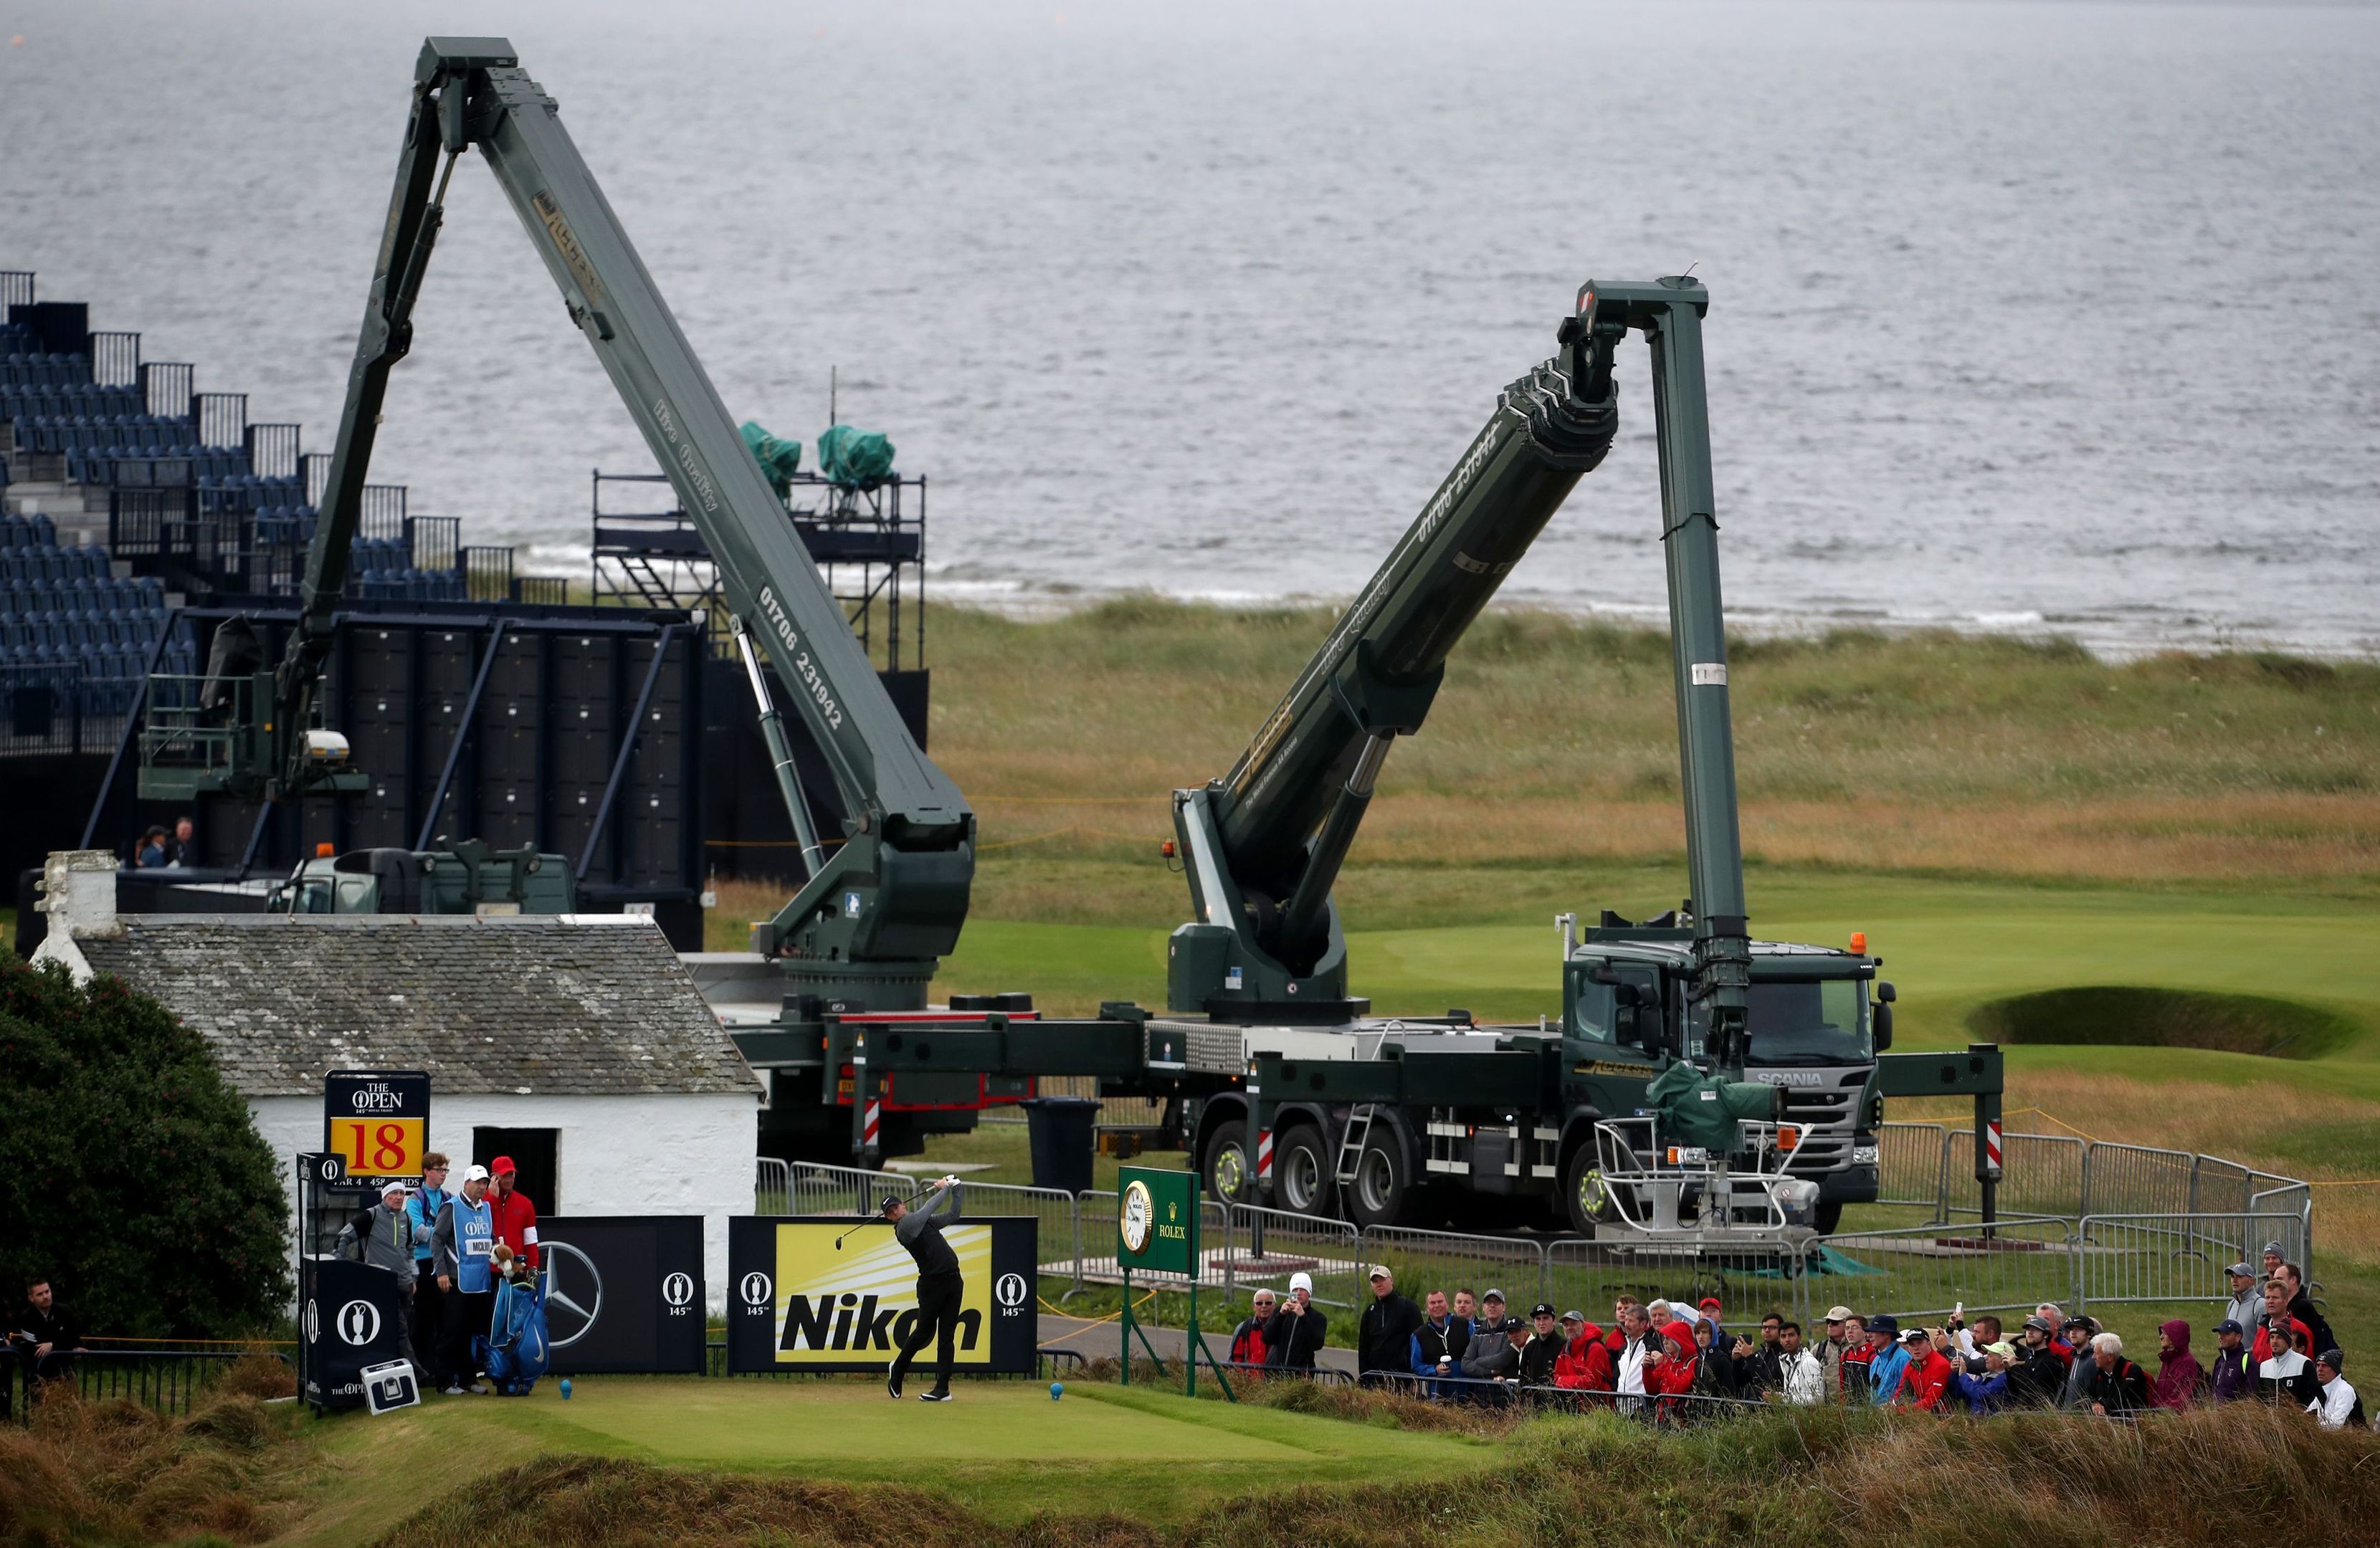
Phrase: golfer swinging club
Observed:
(938, 1284)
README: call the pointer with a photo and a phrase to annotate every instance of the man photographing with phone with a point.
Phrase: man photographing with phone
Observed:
(940, 1285)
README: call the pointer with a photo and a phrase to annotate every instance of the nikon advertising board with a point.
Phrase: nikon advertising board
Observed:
(795, 1303)
(624, 1293)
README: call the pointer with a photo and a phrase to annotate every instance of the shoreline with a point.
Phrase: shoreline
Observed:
(2104, 639)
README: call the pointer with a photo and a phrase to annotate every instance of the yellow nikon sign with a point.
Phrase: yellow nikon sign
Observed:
(795, 1303)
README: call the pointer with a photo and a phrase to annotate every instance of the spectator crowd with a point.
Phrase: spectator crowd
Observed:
(450, 1253)
(1672, 1360)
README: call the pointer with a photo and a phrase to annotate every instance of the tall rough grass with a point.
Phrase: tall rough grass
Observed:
(109, 1473)
(1823, 1478)
(1932, 753)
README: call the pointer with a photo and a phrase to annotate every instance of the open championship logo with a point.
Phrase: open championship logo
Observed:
(677, 1289)
(359, 1322)
(1009, 1290)
(759, 1290)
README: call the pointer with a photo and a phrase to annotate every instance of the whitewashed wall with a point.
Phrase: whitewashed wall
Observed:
(685, 1154)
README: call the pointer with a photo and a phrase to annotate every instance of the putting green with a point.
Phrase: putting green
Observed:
(1002, 1448)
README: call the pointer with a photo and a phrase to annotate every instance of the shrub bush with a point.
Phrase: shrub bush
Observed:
(129, 1170)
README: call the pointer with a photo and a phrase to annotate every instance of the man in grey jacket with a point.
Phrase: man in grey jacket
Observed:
(384, 1237)
(940, 1286)
(1494, 1355)
(2246, 1306)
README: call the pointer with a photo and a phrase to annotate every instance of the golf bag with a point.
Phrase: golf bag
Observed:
(515, 1352)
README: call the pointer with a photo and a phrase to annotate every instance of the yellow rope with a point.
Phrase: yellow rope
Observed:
(2056, 1119)
(1093, 1323)
(1028, 839)
(1058, 832)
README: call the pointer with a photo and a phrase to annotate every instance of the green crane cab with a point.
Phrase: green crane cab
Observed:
(466, 877)
(1813, 1034)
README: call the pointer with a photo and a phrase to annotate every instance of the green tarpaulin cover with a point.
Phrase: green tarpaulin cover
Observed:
(779, 459)
(1699, 1109)
(855, 457)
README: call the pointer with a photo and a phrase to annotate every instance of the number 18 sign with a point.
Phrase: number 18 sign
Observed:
(377, 1120)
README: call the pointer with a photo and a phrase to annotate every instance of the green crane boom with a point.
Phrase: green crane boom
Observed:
(874, 915)
(1263, 845)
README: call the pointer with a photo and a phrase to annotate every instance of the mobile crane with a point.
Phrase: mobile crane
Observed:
(884, 900)
(1699, 1082)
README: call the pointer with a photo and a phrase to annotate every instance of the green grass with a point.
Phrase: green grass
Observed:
(1003, 1450)
(1949, 945)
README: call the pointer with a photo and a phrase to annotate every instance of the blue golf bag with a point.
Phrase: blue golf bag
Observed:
(515, 1352)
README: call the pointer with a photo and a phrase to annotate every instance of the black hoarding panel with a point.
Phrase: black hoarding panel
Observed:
(796, 1302)
(347, 1320)
(624, 1293)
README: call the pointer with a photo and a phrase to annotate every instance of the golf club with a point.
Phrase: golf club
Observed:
(878, 1218)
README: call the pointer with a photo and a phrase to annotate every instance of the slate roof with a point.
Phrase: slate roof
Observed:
(582, 1005)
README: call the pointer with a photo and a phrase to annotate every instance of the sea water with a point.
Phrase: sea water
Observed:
(2036, 317)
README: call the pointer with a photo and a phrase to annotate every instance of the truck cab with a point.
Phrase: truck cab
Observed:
(469, 877)
(1813, 1032)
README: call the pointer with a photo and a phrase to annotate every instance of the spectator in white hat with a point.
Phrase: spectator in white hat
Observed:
(1298, 1330)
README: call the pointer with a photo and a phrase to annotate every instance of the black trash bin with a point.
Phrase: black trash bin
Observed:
(1061, 1129)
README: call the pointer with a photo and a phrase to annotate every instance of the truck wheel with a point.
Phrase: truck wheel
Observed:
(1830, 1216)
(1226, 1165)
(1301, 1171)
(1380, 1193)
(1587, 1197)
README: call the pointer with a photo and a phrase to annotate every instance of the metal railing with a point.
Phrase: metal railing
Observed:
(2013, 1263)
(163, 1381)
(1928, 1271)
(2174, 1258)
(1909, 1164)
(1266, 1246)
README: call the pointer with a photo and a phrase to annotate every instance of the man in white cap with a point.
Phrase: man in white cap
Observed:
(2246, 1306)
(1298, 1330)
(459, 1250)
(383, 1237)
(1384, 1335)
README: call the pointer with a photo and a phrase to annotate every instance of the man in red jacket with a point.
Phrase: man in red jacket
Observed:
(1584, 1364)
(514, 1216)
(1930, 1368)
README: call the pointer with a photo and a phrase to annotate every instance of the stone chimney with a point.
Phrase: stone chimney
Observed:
(79, 894)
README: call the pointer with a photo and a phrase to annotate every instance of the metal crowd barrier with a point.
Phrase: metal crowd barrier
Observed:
(2176, 1258)
(1928, 1271)
(164, 1381)
(1266, 1246)
(2022, 1258)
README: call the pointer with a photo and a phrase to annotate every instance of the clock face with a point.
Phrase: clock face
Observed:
(1134, 1215)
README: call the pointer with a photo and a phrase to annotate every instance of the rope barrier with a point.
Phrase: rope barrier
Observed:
(2059, 1121)
(1091, 1324)
(1055, 832)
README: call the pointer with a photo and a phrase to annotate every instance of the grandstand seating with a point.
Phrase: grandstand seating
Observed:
(76, 633)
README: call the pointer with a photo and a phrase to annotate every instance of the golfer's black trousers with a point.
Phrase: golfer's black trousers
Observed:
(937, 1317)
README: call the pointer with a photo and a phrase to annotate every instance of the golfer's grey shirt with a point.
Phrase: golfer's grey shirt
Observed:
(920, 1231)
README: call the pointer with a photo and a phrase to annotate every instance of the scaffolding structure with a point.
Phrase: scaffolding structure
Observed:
(867, 540)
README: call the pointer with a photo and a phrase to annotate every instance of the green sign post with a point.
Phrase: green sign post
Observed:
(1157, 1232)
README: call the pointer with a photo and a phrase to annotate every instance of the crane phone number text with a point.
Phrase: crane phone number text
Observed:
(801, 668)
